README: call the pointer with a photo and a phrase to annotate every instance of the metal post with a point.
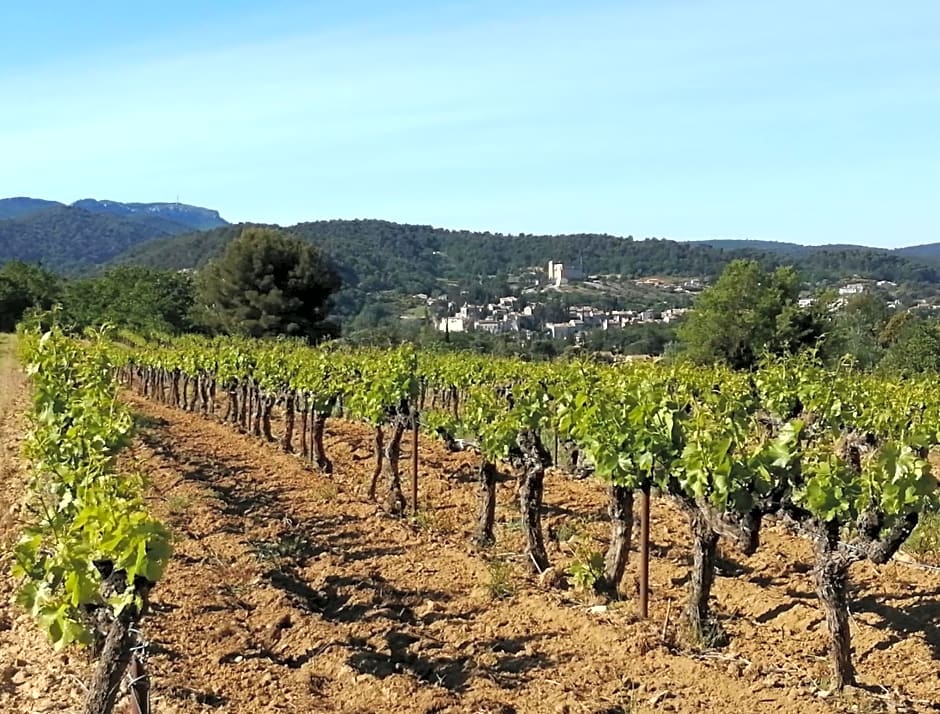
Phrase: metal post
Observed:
(414, 460)
(644, 551)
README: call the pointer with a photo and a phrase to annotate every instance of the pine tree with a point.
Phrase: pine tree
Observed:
(268, 282)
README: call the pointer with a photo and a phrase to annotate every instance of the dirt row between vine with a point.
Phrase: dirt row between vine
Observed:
(289, 592)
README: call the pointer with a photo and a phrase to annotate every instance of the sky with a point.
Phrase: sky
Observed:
(812, 122)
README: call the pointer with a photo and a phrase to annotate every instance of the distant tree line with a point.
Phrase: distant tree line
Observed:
(261, 281)
(751, 312)
(373, 257)
(265, 283)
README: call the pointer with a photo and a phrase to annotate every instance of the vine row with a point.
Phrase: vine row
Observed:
(837, 455)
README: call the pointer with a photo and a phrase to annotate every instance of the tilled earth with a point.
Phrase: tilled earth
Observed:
(290, 592)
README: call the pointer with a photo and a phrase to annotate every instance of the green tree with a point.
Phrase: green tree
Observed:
(747, 312)
(896, 327)
(375, 313)
(24, 286)
(915, 349)
(857, 330)
(268, 282)
(140, 299)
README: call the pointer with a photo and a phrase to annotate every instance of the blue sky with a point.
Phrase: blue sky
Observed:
(806, 121)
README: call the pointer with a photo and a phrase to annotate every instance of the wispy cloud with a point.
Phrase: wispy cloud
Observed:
(652, 118)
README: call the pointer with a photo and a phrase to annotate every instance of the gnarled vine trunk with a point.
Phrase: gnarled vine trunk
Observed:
(213, 392)
(119, 637)
(379, 459)
(450, 443)
(258, 412)
(194, 400)
(702, 575)
(831, 580)
(535, 458)
(707, 525)
(318, 452)
(395, 500)
(112, 663)
(231, 410)
(176, 388)
(244, 406)
(267, 406)
(304, 449)
(620, 509)
(486, 512)
(204, 389)
(286, 442)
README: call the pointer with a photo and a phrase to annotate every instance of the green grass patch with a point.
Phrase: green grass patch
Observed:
(924, 542)
(500, 584)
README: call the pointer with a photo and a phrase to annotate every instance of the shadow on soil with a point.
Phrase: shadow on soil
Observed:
(502, 661)
(407, 648)
(920, 617)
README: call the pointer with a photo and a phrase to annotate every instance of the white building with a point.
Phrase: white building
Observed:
(560, 274)
(454, 324)
(852, 289)
(560, 330)
(469, 312)
(673, 314)
(494, 327)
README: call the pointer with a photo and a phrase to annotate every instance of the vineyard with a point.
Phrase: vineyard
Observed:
(830, 465)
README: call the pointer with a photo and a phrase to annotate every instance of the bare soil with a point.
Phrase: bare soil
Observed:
(290, 592)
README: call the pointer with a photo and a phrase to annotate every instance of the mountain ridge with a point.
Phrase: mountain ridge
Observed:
(78, 238)
(23, 206)
(189, 216)
(195, 217)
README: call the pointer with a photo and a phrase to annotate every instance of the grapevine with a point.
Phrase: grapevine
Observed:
(839, 455)
(90, 552)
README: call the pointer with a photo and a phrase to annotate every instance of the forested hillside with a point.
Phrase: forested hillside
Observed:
(784, 248)
(380, 255)
(69, 240)
(374, 255)
(928, 251)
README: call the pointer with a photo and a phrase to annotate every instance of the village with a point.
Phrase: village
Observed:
(522, 316)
